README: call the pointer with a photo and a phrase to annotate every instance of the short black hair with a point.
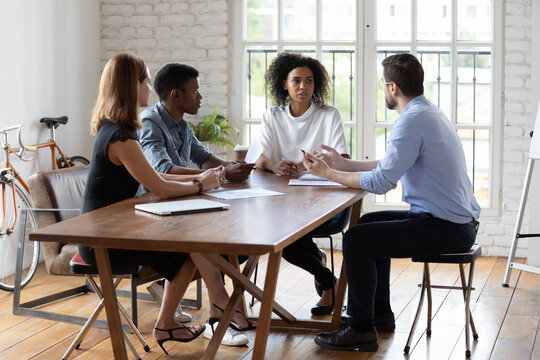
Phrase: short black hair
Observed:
(406, 71)
(286, 62)
(173, 76)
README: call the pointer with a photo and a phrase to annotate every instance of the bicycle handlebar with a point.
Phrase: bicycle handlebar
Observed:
(20, 151)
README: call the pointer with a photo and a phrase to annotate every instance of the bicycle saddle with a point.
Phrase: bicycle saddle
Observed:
(62, 120)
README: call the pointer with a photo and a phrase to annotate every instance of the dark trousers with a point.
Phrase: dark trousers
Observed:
(379, 236)
(305, 254)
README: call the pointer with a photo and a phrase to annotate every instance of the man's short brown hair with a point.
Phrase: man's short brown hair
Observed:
(406, 71)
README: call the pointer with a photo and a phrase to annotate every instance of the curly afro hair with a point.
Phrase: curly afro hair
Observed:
(286, 62)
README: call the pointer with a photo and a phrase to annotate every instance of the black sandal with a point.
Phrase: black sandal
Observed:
(232, 324)
(172, 338)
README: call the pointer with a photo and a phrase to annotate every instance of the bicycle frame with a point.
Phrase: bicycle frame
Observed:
(8, 169)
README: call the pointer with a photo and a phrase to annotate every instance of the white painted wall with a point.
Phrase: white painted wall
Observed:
(49, 63)
(50, 67)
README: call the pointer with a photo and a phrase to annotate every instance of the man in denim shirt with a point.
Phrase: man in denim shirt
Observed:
(167, 141)
(425, 153)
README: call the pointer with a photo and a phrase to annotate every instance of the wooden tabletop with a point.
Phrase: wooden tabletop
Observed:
(250, 226)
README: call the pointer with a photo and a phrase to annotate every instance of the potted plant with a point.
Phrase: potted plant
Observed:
(214, 130)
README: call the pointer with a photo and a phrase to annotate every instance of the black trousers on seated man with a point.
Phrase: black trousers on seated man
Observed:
(379, 236)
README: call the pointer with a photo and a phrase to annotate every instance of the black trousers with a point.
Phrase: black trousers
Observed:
(379, 236)
(305, 254)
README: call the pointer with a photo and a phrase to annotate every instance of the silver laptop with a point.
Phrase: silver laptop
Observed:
(182, 207)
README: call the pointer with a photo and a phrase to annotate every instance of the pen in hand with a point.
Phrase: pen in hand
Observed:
(308, 159)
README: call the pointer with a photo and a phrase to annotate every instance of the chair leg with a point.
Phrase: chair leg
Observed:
(332, 264)
(252, 302)
(418, 311)
(464, 287)
(134, 314)
(468, 312)
(199, 293)
(77, 342)
(429, 299)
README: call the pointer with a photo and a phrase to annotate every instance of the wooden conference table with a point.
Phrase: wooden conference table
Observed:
(251, 226)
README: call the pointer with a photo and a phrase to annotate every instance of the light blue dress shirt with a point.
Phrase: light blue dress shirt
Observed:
(425, 152)
(167, 142)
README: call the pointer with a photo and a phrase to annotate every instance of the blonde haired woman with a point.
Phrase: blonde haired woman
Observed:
(117, 168)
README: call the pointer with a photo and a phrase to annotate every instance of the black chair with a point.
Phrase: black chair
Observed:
(333, 226)
(462, 258)
(80, 267)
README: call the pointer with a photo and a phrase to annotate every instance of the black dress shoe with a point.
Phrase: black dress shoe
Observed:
(348, 339)
(382, 322)
(322, 309)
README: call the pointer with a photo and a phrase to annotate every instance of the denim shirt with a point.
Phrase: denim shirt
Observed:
(167, 142)
(425, 152)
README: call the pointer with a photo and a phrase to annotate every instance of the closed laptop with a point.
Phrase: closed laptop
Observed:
(182, 207)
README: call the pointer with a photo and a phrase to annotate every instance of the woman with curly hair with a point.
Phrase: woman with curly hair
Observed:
(301, 120)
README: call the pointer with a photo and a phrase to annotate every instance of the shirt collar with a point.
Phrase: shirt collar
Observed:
(167, 118)
(419, 98)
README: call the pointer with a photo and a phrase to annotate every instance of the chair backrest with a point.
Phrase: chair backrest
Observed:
(57, 189)
(335, 225)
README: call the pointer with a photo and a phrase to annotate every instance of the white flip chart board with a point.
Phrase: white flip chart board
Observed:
(534, 151)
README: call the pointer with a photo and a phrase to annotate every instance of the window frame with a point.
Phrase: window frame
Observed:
(369, 115)
(239, 65)
(365, 86)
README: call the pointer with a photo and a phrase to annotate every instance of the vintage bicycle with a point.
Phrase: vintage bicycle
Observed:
(15, 196)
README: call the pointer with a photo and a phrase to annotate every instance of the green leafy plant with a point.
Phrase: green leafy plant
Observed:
(214, 129)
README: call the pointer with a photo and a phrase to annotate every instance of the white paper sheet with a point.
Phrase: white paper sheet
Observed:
(241, 193)
(298, 182)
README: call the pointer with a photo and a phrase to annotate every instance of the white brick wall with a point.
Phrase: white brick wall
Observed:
(165, 31)
(196, 32)
(517, 124)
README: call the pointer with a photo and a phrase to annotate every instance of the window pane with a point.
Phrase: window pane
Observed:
(257, 61)
(393, 20)
(477, 154)
(474, 86)
(261, 19)
(338, 21)
(437, 77)
(303, 50)
(250, 132)
(340, 64)
(299, 21)
(383, 113)
(474, 20)
(349, 135)
(434, 20)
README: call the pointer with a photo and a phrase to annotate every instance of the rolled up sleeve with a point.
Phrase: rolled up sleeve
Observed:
(153, 144)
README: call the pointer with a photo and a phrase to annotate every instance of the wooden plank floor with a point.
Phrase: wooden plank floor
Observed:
(507, 319)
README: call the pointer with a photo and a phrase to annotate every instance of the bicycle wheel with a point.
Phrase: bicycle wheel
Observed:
(78, 161)
(9, 240)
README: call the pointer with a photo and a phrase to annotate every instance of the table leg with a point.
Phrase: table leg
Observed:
(111, 303)
(265, 315)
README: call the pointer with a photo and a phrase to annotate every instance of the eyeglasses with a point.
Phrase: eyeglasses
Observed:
(381, 84)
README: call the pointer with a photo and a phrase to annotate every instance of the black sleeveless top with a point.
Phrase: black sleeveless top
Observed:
(108, 183)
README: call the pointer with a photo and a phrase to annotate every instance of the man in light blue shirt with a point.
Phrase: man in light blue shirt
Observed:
(166, 139)
(425, 153)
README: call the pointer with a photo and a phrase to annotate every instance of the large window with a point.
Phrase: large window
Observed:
(455, 40)
(275, 26)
